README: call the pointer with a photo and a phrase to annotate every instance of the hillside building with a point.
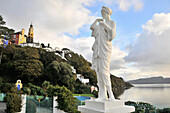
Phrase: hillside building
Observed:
(4, 40)
(36, 45)
(19, 37)
(82, 79)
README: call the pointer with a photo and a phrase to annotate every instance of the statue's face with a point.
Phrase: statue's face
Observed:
(104, 14)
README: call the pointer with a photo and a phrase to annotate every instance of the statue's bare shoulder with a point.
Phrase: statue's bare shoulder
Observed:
(112, 23)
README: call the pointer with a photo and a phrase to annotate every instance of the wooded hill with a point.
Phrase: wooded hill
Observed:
(35, 65)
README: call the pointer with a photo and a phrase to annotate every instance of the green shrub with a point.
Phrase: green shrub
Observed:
(164, 110)
(141, 107)
(13, 101)
(81, 88)
(5, 87)
(66, 101)
(26, 90)
(45, 85)
(36, 90)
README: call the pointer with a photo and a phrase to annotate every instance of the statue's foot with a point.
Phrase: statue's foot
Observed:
(100, 99)
(112, 98)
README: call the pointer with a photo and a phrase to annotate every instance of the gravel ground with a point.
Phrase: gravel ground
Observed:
(2, 107)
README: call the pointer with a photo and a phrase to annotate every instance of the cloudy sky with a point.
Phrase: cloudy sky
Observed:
(142, 44)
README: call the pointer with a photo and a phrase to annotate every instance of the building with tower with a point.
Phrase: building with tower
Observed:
(30, 34)
(19, 37)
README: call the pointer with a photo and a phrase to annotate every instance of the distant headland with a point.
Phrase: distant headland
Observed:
(151, 80)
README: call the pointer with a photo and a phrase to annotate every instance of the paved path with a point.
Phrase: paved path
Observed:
(2, 107)
(43, 110)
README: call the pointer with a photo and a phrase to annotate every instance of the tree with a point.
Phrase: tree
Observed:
(45, 85)
(2, 22)
(50, 56)
(60, 73)
(81, 88)
(82, 66)
(28, 70)
(5, 33)
(5, 30)
(21, 63)
(26, 53)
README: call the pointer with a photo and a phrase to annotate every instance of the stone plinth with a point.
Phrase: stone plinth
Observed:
(55, 103)
(116, 106)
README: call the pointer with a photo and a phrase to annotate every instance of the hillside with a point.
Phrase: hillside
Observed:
(119, 85)
(83, 67)
(35, 65)
(152, 80)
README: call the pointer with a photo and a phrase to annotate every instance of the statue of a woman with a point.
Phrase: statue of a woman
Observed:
(104, 31)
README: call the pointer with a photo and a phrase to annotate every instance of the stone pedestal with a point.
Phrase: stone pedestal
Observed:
(23, 109)
(116, 106)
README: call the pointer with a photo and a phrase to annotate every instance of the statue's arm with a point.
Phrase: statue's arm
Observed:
(110, 29)
(94, 23)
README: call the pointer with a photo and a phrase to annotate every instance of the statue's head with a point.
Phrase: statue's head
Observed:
(106, 11)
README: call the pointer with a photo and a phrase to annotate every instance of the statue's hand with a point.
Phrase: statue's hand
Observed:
(99, 20)
(101, 23)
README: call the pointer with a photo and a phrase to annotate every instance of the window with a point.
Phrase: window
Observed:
(14, 36)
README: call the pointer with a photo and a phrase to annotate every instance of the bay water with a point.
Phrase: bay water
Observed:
(155, 94)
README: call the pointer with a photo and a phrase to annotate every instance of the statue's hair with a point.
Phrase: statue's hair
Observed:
(107, 9)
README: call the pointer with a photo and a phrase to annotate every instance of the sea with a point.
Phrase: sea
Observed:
(155, 94)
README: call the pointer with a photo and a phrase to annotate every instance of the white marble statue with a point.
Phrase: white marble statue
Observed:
(104, 31)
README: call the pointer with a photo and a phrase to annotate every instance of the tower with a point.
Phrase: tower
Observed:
(30, 34)
(22, 37)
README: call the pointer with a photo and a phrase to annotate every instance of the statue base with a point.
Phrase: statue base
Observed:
(117, 106)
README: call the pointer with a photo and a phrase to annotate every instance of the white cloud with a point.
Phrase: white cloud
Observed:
(150, 53)
(117, 58)
(159, 24)
(61, 16)
(79, 45)
(127, 73)
(125, 5)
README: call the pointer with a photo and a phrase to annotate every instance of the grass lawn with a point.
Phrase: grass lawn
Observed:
(86, 95)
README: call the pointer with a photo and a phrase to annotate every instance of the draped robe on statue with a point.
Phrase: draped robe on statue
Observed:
(102, 49)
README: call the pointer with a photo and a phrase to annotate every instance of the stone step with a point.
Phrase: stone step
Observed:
(103, 105)
(121, 109)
